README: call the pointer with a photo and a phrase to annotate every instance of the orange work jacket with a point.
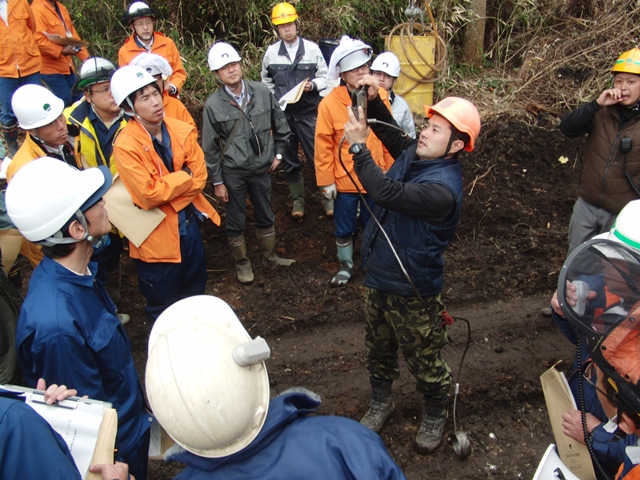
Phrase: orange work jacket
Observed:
(47, 20)
(19, 54)
(151, 185)
(162, 46)
(174, 108)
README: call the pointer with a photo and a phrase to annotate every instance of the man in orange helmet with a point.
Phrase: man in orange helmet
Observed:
(611, 175)
(418, 203)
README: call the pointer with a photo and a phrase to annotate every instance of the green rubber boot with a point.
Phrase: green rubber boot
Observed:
(243, 265)
(345, 256)
(297, 194)
(266, 238)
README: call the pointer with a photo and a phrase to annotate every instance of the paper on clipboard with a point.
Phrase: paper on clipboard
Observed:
(293, 95)
(135, 223)
(79, 422)
(64, 41)
(559, 400)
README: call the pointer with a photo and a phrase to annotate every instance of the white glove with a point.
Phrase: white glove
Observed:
(329, 192)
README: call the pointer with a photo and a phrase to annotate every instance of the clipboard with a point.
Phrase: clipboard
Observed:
(135, 223)
(87, 426)
(64, 41)
(559, 400)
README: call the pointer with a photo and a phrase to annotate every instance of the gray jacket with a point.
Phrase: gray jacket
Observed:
(262, 116)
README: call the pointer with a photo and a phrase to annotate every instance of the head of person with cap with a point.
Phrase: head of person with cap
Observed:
(61, 208)
(40, 113)
(350, 62)
(95, 83)
(140, 95)
(225, 62)
(285, 18)
(209, 388)
(142, 19)
(386, 69)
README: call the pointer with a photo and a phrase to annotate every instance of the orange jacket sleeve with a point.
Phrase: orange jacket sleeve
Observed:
(324, 146)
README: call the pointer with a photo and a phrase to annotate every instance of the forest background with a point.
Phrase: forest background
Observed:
(535, 55)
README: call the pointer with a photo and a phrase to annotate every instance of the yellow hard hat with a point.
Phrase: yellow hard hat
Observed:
(628, 62)
(283, 13)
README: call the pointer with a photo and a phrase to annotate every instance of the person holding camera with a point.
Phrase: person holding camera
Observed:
(244, 135)
(611, 175)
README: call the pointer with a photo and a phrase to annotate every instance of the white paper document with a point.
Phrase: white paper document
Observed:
(293, 95)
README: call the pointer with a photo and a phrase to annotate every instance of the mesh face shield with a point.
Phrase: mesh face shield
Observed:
(605, 310)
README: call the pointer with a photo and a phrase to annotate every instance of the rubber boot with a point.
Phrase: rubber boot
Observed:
(429, 434)
(327, 205)
(243, 265)
(381, 405)
(266, 238)
(10, 134)
(345, 257)
(297, 194)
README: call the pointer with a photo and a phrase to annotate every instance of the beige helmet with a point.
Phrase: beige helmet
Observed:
(206, 379)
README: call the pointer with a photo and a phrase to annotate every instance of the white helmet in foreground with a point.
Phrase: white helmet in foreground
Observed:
(47, 194)
(222, 54)
(206, 380)
(129, 79)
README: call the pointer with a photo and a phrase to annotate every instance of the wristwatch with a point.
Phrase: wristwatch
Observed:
(278, 156)
(357, 148)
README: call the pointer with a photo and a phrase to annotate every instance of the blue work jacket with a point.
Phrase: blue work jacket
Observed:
(68, 333)
(294, 446)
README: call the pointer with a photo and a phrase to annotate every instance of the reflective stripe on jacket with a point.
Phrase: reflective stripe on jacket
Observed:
(19, 54)
(151, 185)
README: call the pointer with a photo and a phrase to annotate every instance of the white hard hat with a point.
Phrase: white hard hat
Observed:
(94, 70)
(626, 228)
(46, 194)
(222, 54)
(153, 63)
(129, 79)
(35, 106)
(205, 378)
(388, 63)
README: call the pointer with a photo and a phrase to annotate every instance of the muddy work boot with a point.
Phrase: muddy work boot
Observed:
(429, 434)
(381, 405)
(266, 238)
(297, 194)
(10, 135)
(345, 257)
(243, 265)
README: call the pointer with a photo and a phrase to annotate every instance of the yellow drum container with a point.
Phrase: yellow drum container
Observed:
(413, 84)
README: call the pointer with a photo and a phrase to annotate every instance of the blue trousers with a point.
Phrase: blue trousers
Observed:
(346, 211)
(61, 86)
(163, 284)
(8, 86)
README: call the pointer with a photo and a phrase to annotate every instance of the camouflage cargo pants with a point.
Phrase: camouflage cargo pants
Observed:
(392, 321)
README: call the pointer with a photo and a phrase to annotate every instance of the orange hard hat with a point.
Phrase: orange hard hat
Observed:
(628, 62)
(461, 113)
(283, 13)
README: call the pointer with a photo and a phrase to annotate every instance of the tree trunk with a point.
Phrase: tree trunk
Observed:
(473, 41)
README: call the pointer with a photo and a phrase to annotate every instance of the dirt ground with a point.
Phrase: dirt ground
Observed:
(500, 270)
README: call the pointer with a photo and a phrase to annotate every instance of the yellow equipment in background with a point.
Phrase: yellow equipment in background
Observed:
(422, 57)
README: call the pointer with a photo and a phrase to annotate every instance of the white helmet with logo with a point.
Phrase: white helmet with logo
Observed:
(129, 79)
(46, 194)
(222, 54)
(206, 380)
(388, 63)
(35, 106)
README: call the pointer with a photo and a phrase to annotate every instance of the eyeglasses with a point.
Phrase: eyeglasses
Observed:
(364, 67)
(589, 373)
(143, 23)
(102, 91)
